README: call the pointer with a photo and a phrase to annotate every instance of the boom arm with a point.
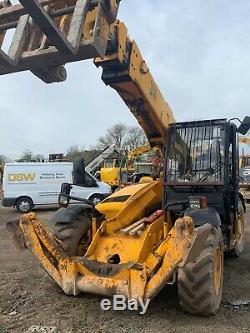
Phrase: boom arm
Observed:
(141, 151)
(66, 31)
(125, 70)
(98, 160)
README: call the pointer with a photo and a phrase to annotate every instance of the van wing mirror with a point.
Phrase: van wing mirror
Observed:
(79, 174)
(64, 196)
(66, 188)
(63, 200)
(244, 126)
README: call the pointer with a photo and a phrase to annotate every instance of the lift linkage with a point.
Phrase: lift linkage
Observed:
(50, 33)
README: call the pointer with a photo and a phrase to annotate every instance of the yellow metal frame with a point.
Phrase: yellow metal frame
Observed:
(135, 85)
(139, 278)
(148, 258)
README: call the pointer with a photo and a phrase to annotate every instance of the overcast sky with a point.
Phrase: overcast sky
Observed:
(198, 52)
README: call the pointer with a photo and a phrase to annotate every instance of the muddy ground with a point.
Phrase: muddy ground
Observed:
(28, 298)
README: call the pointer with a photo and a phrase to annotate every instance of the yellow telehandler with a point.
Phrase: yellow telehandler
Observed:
(146, 235)
(123, 170)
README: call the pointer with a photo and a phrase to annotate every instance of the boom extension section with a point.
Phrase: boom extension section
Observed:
(51, 33)
(125, 70)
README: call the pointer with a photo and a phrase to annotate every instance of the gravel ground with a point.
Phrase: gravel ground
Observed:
(27, 298)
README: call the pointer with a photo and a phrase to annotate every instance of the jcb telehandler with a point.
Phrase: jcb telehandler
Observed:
(145, 235)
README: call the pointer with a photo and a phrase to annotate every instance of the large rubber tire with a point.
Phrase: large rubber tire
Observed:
(200, 282)
(70, 225)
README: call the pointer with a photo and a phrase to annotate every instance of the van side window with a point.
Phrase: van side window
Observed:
(89, 181)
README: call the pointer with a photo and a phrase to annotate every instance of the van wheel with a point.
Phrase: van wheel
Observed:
(96, 198)
(24, 205)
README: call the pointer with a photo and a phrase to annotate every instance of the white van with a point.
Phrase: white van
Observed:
(26, 185)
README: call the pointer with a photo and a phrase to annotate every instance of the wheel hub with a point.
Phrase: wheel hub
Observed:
(24, 206)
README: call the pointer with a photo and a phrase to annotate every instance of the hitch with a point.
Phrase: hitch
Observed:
(50, 33)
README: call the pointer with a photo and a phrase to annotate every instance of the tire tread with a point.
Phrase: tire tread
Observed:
(195, 280)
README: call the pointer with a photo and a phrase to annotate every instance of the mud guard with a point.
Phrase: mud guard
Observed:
(201, 234)
(204, 215)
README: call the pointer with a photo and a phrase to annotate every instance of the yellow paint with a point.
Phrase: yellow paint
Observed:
(148, 260)
(110, 176)
(111, 207)
(218, 269)
(245, 140)
(21, 177)
(137, 84)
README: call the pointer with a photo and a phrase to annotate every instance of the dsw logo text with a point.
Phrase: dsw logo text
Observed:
(21, 177)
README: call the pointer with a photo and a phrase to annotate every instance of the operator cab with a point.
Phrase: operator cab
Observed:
(202, 161)
(196, 152)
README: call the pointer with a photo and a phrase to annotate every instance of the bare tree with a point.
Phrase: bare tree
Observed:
(3, 159)
(73, 152)
(39, 157)
(135, 138)
(115, 135)
(27, 155)
(123, 137)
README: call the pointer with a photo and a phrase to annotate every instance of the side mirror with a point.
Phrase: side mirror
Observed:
(64, 196)
(66, 188)
(244, 126)
(63, 200)
(79, 174)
